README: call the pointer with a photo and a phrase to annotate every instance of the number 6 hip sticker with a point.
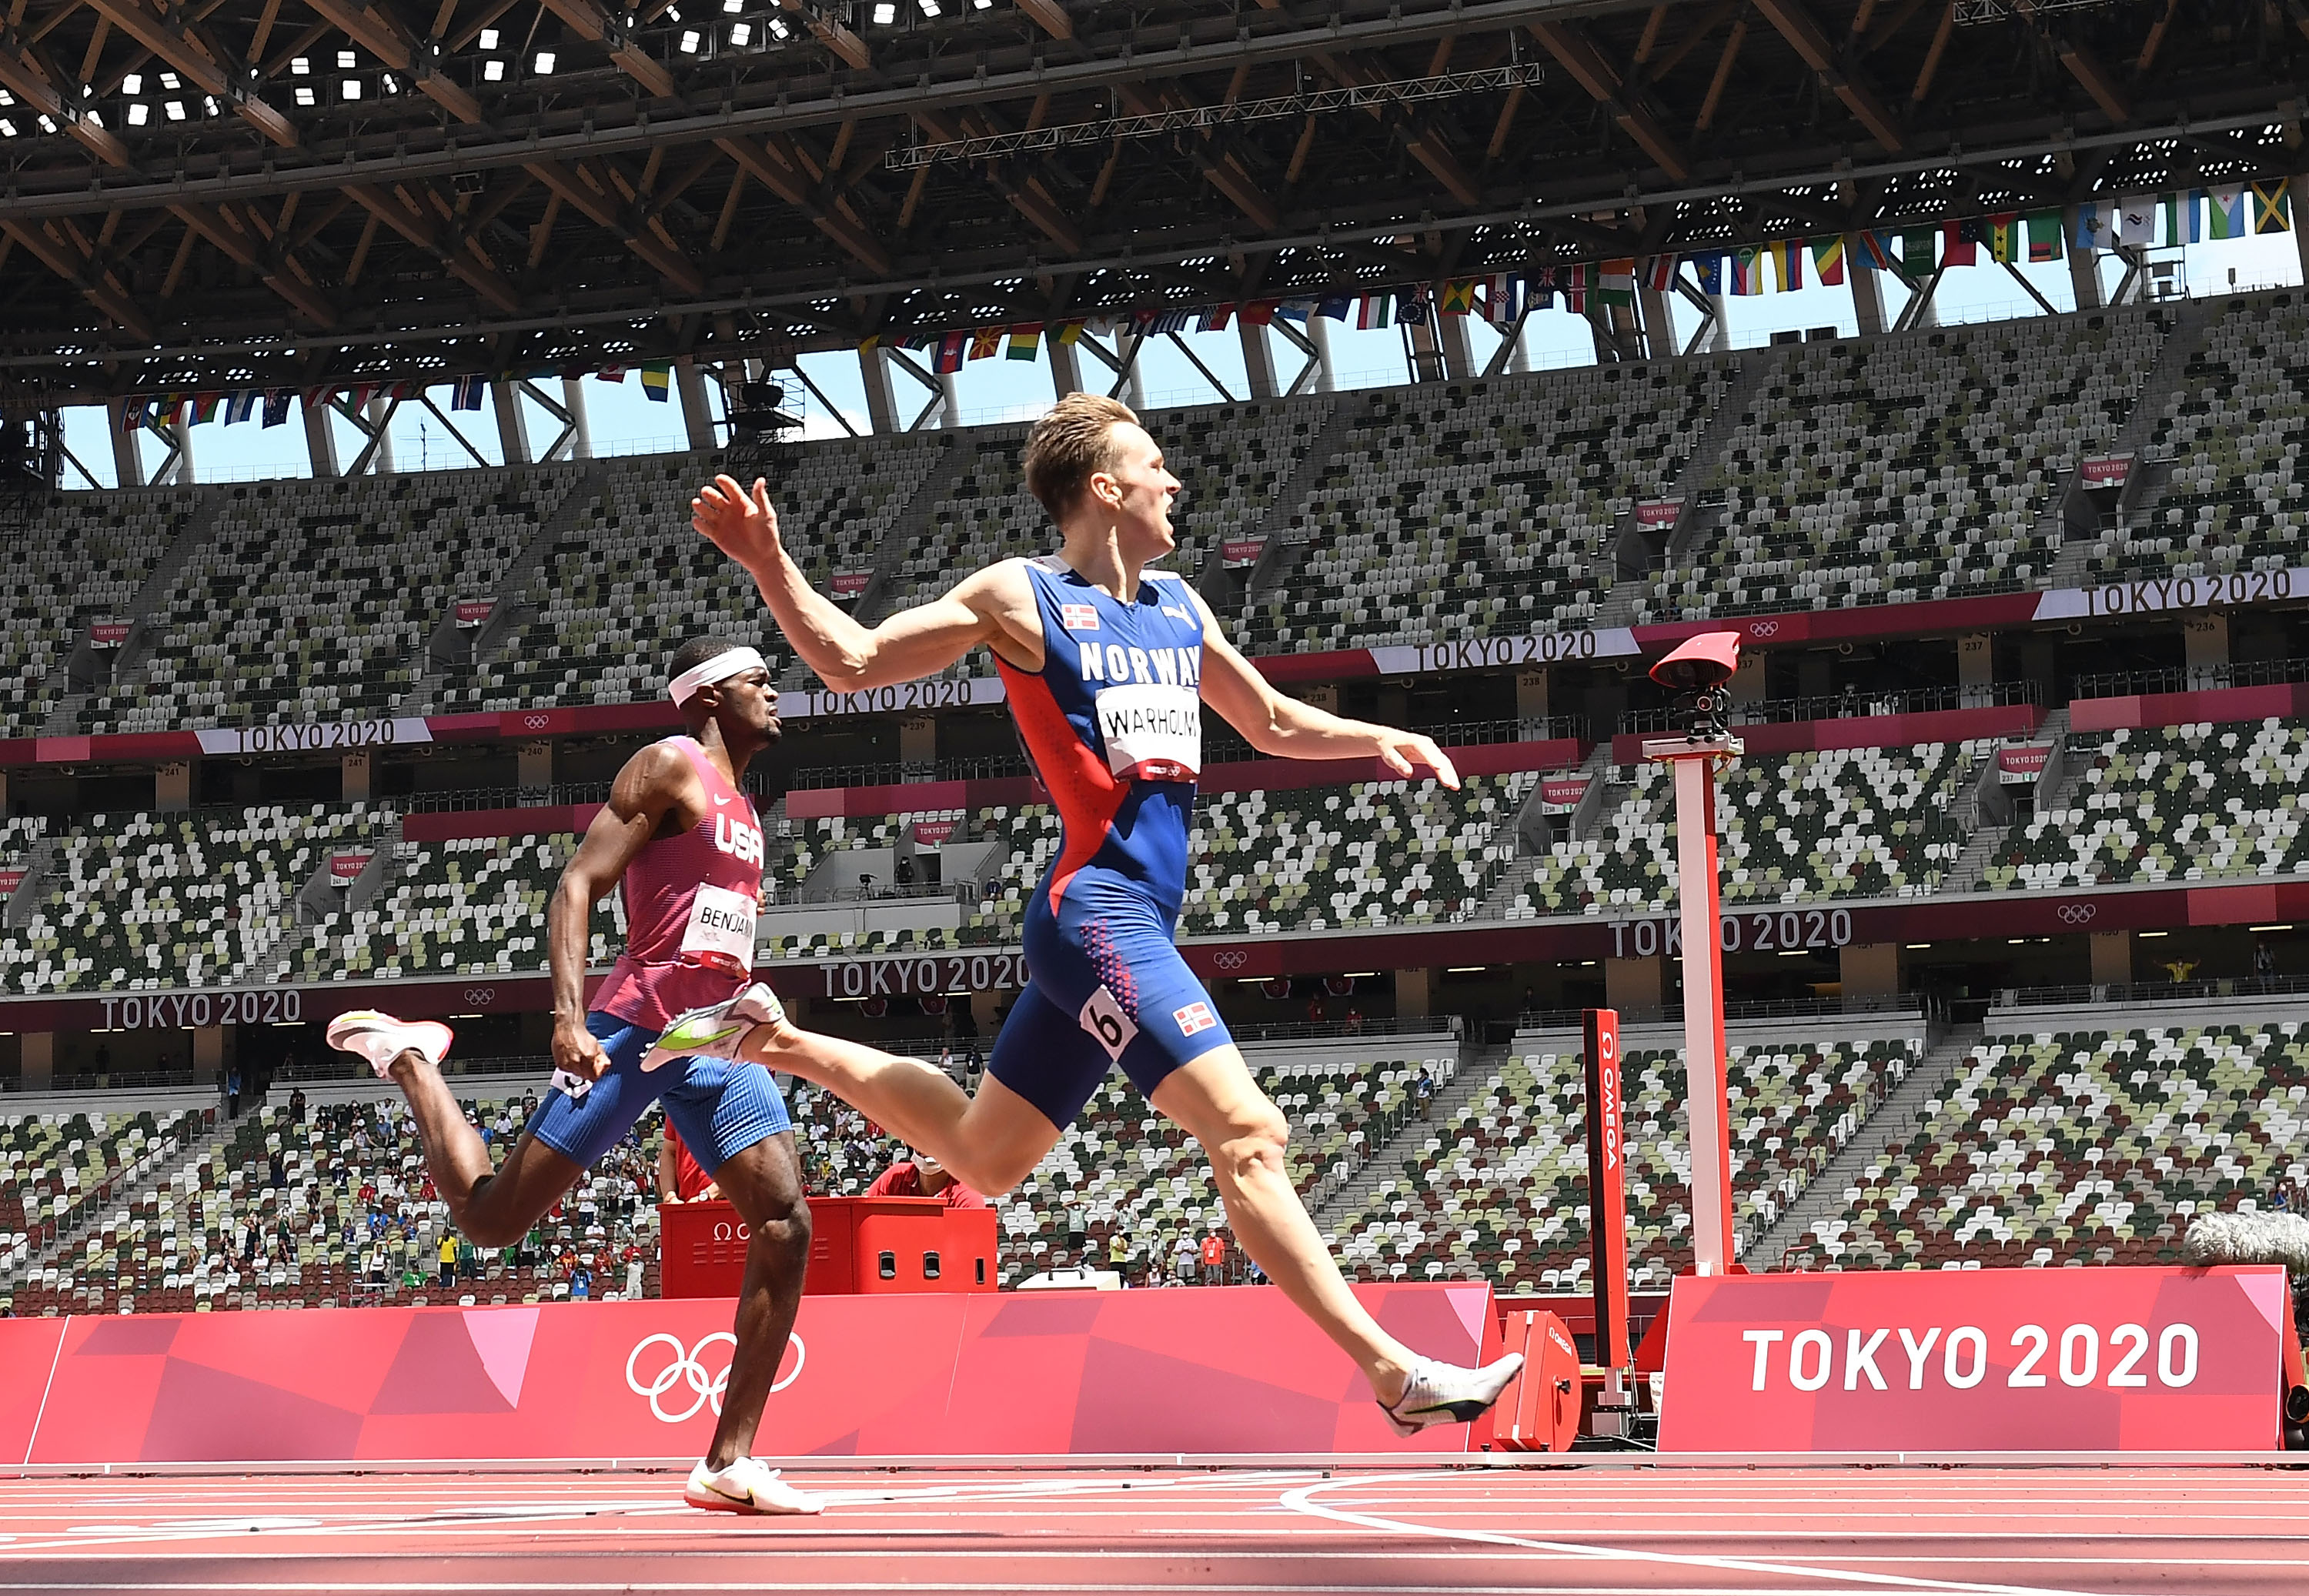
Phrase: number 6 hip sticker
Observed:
(1103, 1018)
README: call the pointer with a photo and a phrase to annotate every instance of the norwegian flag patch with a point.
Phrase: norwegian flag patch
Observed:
(1194, 1017)
(1078, 617)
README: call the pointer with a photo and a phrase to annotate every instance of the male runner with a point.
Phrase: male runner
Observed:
(1107, 662)
(681, 837)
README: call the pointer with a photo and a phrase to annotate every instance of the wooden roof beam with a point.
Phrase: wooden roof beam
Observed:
(52, 248)
(1795, 24)
(1596, 75)
(186, 48)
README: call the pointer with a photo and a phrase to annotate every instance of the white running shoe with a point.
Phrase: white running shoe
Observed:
(746, 1486)
(719, 1030)
(1445, 1393)
(381, 1039)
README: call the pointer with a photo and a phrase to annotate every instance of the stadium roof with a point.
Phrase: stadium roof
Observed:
(223, 193)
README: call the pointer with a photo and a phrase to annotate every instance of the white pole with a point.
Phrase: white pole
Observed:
(1693, 763)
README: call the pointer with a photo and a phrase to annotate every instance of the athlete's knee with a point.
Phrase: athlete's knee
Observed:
(783, 1233)
(991, 1175)
(1253, 1136)
(485, 1222)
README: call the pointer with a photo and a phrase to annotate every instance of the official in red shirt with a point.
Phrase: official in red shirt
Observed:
(923, 1176)
(679, 1177)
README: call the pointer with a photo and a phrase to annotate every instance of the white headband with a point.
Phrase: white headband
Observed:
(721, 667)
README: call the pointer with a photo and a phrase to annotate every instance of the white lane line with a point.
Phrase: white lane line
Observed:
(1302, 1500)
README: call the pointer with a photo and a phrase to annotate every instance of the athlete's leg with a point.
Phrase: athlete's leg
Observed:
(1213, 1099)
(490, 1206)
(764, 1184)
(989, 1143)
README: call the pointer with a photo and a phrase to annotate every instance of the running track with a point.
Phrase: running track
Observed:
(1662, 1530)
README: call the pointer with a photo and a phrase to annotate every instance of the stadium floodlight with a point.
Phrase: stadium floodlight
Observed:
(139, 114)
(304, 94)
(345, 60)
(689, 42)
(300, 67)
(134, 83)
(352, 88)
(492, 71)
(885, 14)
(168, 80)
(488, 39)
(175, 109)
(740, 34)
(930, 7)
(545, 62)
(8, 128)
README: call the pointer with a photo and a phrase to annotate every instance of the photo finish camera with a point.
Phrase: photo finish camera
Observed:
(1701, 665)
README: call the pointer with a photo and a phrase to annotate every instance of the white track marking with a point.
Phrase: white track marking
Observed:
(1302, 1500)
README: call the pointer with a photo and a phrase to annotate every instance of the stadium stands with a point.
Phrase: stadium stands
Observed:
(1481, 507)
(1498, 1191)
(1911, 467)
(2181, 803)
(92, 553)
(2083, 1145)
(2233, 435)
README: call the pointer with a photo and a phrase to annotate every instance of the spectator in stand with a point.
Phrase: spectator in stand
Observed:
(581, 1283)
(1355, 1021)
(922, 1176)
(1315, 1009)
(1118, 1255)
(448, 1257)
(1215, 1251)
(1183, 1260)
(232, 1092)
(1424, 1089)
(679, 1177)
(296, 1106)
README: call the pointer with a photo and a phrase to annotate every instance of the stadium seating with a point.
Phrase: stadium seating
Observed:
(2081, 1146)
(1846, 823)
(471, 905)
(56, 1168)
(1499, 1191)
(2179, 803)
(1910, 467)
(630, 582)
(84, 562)
(315, 600)
(2233, 433)
(1481, 507)
(144, 901)
(224, 1232)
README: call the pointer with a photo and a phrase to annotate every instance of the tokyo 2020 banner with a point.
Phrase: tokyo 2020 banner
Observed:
(1220, 1370)
(1977, 1361)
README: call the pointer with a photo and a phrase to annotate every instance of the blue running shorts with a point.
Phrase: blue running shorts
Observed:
(721, 1108)
(1105, 986)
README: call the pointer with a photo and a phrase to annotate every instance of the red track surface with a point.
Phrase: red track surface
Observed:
(1166, 1530)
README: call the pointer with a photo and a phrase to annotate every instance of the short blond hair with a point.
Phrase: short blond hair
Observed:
(1071, 444)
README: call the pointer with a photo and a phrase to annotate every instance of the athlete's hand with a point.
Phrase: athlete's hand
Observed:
(577, 1050)
(741, 524)
(1402, 751)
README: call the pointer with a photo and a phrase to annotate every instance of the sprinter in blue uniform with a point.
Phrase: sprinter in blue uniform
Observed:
(1107, 661)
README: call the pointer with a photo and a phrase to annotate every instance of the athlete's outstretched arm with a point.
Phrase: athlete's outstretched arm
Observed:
(639, 799)
(1283, 727)
(847, 656)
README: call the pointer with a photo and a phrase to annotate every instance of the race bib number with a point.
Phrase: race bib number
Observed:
(1153, 730)
(1103, 1018)
(720, 930)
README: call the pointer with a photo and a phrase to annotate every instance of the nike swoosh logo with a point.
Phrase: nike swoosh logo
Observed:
(719, 801)
(727, 1030)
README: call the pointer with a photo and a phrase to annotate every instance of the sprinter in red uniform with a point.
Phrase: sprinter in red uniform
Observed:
(679, 836)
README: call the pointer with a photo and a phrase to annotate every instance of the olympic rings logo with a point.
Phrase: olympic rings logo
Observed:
(536, 722)
(479, 996)
(686, 1366)
(1230, 958)
(1763, 629)
(2078, 914)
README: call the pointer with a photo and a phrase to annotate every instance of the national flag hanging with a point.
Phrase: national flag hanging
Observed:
(2180, 217)
(1539, 290)
(1458, 297)
(1828, 260)
(1786, 256)
(1374, 310)
(1573, 281)
(951, 350)
(1335, 307)
(1747, 270)
(1918, 246)
(1659, 273)
(1958, 247)
(1295, 310)
(1709, 270)
(871, 341)
(2136, 218)
(240, 406)
(133, 413)
(1025, 341)
(2004, 243)
(2093, 220)
(2043, 236)
(986, 344)
(1259, 313)
(206, 407)
(362, 393)
(2224, 212)
(1411, 307)
(1215, 319)
(611, 373)
(1616, 282)
(2271, 208)
(657, 379)
(466, 392)
(1873, 251)
(1069, 332)
(276, 406)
